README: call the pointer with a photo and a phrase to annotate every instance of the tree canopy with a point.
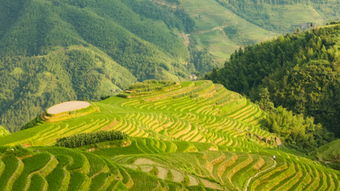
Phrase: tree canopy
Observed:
(300, 72)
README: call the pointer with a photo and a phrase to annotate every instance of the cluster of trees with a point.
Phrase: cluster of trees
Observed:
(203, 61)
(90, 138)
(237, 36)
(147, 87)
(299, 71)
(151, 85)
(296, 130)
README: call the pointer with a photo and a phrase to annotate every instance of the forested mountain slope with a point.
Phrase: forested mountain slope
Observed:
(57, 50)
(298, 71)
(52, 51)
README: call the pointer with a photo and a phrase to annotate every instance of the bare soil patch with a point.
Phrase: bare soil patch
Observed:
(67, 107)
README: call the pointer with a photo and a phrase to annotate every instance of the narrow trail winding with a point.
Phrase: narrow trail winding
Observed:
(259, 173)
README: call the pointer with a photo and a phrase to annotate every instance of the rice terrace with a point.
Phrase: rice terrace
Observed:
(157, 135)
(169, 95)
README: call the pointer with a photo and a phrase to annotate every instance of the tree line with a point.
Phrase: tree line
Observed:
(83, 139)
(299, 72)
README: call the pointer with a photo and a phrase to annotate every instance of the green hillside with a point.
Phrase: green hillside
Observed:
(3, 131)
(223, 26)
(330, 154)
(188, 111)
(52, 51)
(51, 168)
(283, 15)
(181, 136)
(299, 71)
(58, 50)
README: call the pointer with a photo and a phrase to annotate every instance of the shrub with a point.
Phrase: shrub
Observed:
(90, 138)
(297, 131)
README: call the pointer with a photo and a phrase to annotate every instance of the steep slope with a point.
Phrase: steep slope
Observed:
(189, 111)
(52, 51)
(219, 30)
(53, 168)
(134, 40)
(284, 15)
(76, 72)
(182, 136)
(222, 26)
(330, 154)
(299, 71)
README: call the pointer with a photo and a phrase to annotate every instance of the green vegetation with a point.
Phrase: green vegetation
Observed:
(182, 136)
(329, 154)
(221, 26)
(59, 50)
(55, 51)
(297, 131)
(90, 138)
(3, 131)
(299, 71)
(210, 20)
(71, 71)
(160, 109)
(284, 15)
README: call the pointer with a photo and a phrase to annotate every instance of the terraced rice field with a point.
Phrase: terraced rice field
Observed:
(148, 163)
(183, 136)
(191, 111)
(61, 169)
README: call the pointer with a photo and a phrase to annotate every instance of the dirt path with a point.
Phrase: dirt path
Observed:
(257, 174)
